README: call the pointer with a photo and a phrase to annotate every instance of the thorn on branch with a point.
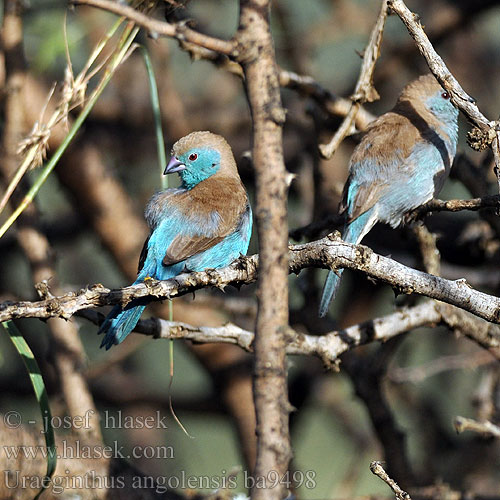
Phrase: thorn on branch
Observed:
(43, 291)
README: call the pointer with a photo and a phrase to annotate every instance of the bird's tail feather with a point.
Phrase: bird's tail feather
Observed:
(329, 291)
(353, 233)
(120, 322)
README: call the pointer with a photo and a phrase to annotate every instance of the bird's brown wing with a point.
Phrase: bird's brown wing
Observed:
(365, 198)
(227, 198)
(183, 247)
(387, 140)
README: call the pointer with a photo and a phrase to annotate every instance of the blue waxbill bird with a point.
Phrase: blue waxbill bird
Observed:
(400, 164)
(205, 223)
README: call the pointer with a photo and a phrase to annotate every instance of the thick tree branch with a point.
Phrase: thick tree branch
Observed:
(270, 387)
(329, 252)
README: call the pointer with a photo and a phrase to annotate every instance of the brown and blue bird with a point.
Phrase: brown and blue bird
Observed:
(204, 223)
(400, 164)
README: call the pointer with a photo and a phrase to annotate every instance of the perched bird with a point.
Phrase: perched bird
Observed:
(205, 223)
(400, 164)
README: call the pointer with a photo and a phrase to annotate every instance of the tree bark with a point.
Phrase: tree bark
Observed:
(257, 57)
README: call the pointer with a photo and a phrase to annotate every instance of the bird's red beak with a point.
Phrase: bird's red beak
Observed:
(174, 165)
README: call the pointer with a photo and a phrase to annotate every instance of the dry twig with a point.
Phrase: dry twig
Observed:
(431, 258)
(463, 424)
(334, 221)
(364, 91)
(378, 470)
(330, 346)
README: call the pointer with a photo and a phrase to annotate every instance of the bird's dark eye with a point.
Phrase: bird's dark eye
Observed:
(193, 157)
(445, 95)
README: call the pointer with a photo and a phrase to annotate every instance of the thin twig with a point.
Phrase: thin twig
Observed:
(431, 258)
(364, 91)
(474, 204)
(342, 132)
(378, 470)
(335, 221)
(463, 424)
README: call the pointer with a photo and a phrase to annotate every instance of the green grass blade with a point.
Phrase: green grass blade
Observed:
(41, 396)
(30, 195)
(155, 104)
(160, 144)
(162, 160)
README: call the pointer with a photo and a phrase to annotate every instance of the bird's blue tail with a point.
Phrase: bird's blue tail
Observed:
(120, 322)
(329, 291)
(353, 233)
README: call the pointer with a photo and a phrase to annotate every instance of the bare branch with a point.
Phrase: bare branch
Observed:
(485, 334)
(180, 31)
(329, 252)
(342, 132)
(334, 221)
(463, 424)
(327, 347)
(378, 470)
(305, 85)
(331, 103)
(458, 205)
(431, 257)
(364, 91)
(223, 52)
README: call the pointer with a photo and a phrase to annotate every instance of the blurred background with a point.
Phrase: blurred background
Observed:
(394, 401)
